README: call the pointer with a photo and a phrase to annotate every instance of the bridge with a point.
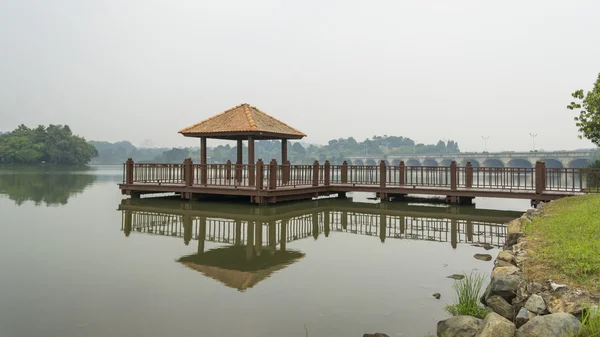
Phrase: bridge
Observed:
(553, 159)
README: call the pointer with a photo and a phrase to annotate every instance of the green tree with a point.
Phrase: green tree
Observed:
(588, 105)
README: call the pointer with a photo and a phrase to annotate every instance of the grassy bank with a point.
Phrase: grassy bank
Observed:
(564, 243)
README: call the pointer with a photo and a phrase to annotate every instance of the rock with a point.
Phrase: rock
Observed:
(504, 285)
(556, 286)
(437, 295)
(501, 263)
(523, 317)
(464, 326)
(512, 239)
(520, 258)
(510, 270)
(495, 325)
(483, 257)
(558, 325)
(565, 300)
(501, 307)
(515, 226)
(377, 334)
(505, 255)
(519, 246)
(536, 304)
(486, 294)
(456, 276)
(524, 220)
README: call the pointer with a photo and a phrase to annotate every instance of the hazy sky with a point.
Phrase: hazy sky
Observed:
(137, 70)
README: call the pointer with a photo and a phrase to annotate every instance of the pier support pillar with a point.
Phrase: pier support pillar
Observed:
(251, 162)
(342, 195)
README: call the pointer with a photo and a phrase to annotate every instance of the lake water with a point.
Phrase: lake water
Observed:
(79, 259)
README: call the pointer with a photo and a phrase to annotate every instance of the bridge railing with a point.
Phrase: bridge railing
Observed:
(271, 175)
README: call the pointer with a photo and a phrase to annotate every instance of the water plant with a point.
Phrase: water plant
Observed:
(467, 296)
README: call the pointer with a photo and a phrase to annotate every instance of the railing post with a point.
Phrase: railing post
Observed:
(469, 175)
(273, 174)
(540, 177)
(316, 173)
(129, 171)
(189, 169)
(259, 174)
(344, 173)
(327, 173)
(228, 170)
(402, 173)
(453, 175)
(382, 175)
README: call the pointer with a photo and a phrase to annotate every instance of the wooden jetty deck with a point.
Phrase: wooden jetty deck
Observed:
(268, 183)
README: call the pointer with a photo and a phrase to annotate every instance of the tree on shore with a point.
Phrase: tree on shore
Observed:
(55, 144)
(588, 105)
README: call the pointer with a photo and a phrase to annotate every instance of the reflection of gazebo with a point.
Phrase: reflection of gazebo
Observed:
(240, 123)
(233, 267)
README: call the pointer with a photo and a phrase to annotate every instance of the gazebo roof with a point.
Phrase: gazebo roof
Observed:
(239, 123)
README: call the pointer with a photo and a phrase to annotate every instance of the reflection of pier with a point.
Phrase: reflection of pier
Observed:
(276, 226)
(256, 238)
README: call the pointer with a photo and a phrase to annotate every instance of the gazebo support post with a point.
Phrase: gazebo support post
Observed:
(203, 156)
(238, 163)
(251, 163)
(284, 161)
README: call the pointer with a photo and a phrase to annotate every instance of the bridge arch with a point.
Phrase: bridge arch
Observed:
(358, 162)
(474, 162)
(492, 162)
(430, 162)
(413, 162)
(552, 163)
(395, 162)
(579, 163)
(445, 162)
(371, 162)
(521, 163)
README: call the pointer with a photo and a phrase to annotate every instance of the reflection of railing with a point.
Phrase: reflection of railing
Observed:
(314, 224)
(271, 176)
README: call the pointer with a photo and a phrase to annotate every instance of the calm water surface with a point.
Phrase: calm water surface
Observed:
(78, 259)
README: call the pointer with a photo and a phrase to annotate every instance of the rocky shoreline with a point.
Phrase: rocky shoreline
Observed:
(519, 307)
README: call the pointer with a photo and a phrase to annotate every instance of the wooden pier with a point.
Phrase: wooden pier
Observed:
(271, 182)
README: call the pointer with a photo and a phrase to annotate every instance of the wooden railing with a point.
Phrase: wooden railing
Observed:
(271, 175)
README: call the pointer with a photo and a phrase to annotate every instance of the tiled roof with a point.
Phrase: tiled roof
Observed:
(243, 119)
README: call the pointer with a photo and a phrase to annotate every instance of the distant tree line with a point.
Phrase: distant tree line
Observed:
(54, 144)
(336, 151)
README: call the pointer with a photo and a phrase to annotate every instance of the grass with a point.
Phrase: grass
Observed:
(590, 324)
(564, 243)
(467, 297)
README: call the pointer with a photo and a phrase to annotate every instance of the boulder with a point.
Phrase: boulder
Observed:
(524, 220)
(512, 239)
(515, 226)
(536, 304)
(483, 257)
(464, 326)
(377, 334)
(523, 317)
(505, 255)
(495, 325)
(556, 325)
(504, 285)
(437, 295)
(510, 270)
(520, 257)
(501, 307)
(486, 294)
(501, 263)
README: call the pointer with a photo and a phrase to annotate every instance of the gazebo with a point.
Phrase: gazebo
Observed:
(243, 122)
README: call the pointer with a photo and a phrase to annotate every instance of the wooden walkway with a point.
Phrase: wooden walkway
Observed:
(272, 183)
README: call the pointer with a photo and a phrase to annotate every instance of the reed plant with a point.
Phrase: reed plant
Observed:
(468, 291)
